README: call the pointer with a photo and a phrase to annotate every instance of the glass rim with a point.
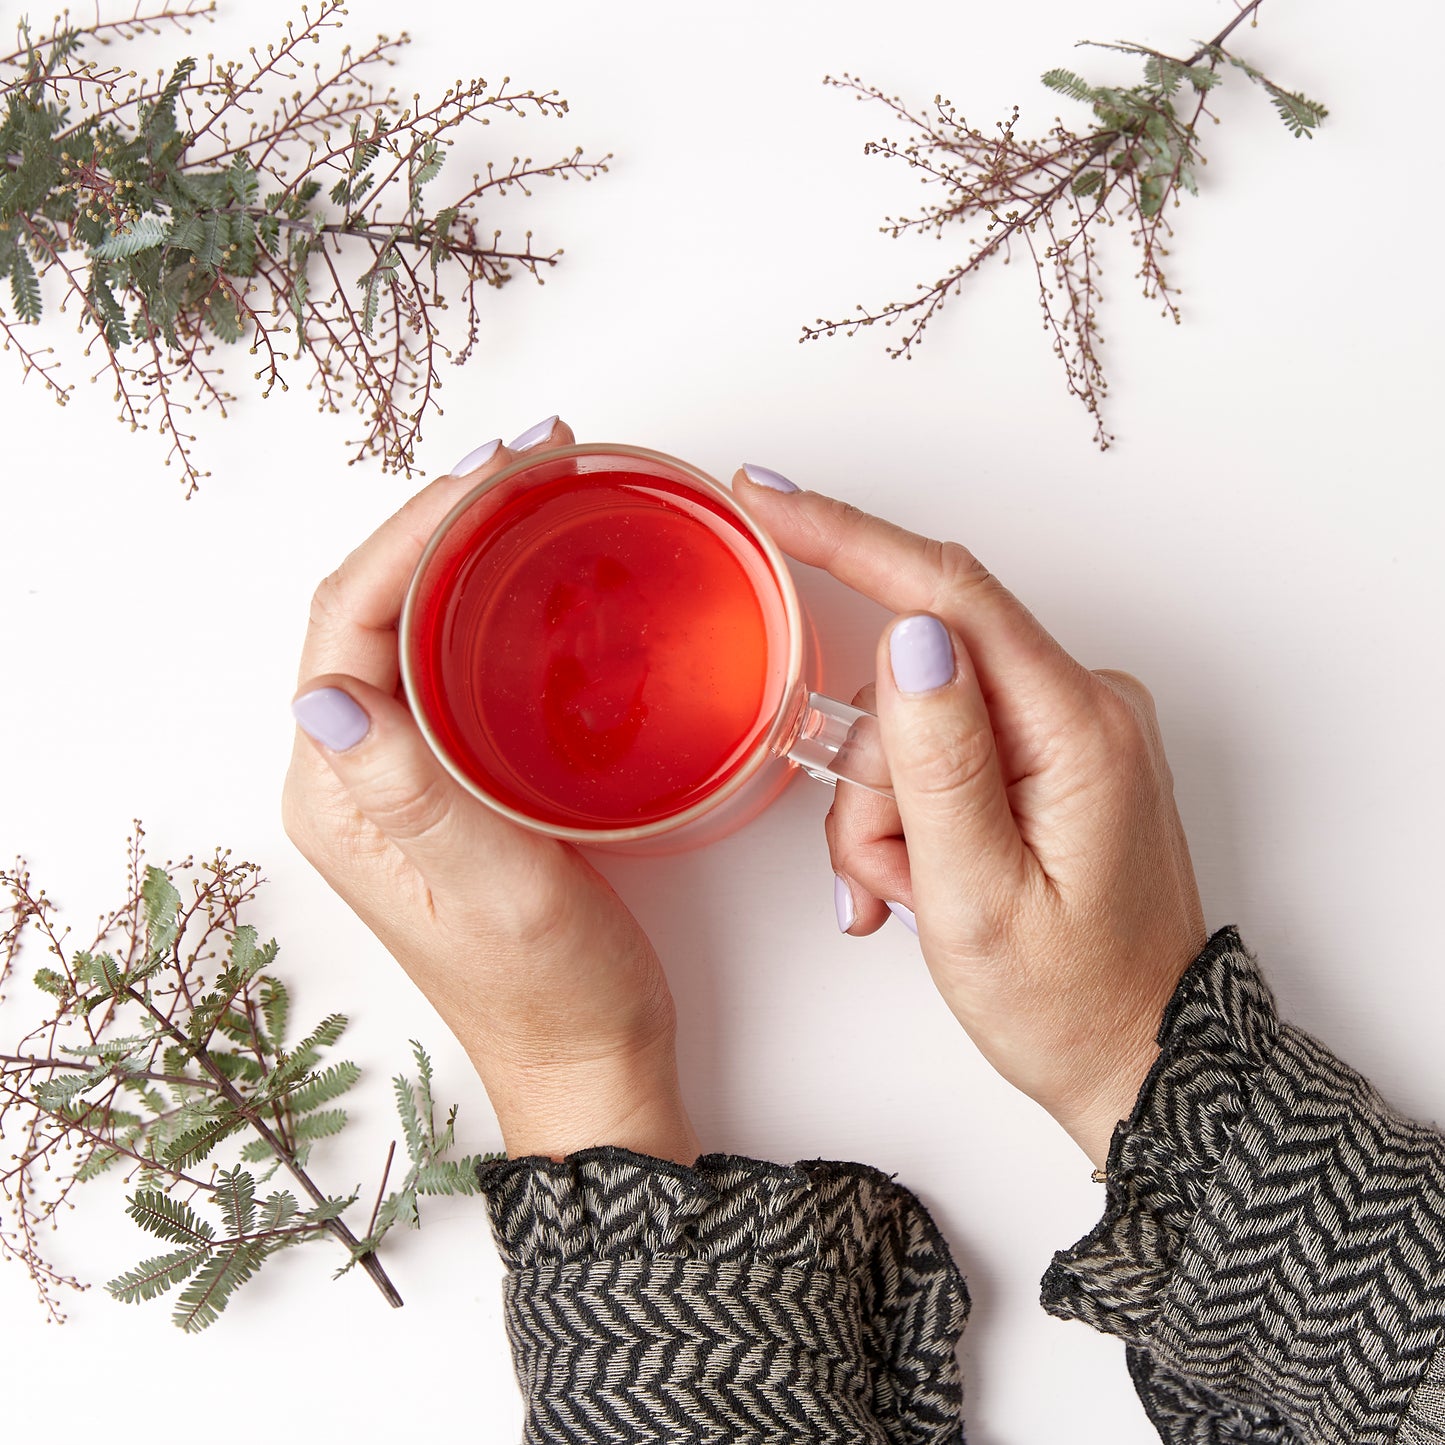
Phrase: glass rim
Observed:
(762, 752)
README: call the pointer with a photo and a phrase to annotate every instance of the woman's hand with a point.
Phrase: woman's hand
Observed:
(1035, 847)
(523, 948)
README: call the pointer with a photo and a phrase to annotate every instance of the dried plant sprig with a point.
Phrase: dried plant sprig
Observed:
(1054, 196)
(267, 200)
(165, 1040)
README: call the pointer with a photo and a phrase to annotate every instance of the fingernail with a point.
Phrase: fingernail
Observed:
(476, 458)
(905, 917)
(921, 654)
(532, 435)
(767, 477)
(843, 904)
(332, 718)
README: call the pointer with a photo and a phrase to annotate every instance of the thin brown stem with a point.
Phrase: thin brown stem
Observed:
(1218, 41)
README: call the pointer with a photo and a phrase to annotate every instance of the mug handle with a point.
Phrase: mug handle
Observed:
(839, 743)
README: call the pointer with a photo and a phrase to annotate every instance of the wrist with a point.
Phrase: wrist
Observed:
(1091, 1122)
(630, 1098)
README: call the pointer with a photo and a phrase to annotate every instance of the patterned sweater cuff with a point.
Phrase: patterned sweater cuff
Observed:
(734, 1301)
(1271, 1246)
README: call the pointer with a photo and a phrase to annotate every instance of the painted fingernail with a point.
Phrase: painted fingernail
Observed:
(532, 435)
(332, 718)
(921, 654)
(904, 916)
(843, 904)
(767, 477)
(478, 457)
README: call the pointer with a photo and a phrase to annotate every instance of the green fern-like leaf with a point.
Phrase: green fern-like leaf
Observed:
(1201, 77)
(275, 1011)
(97, 1162)
(109, 310)
(411, 1124)
(223, 317)
(331, 1083)
(333, 1208)
(1066, 82)
(195, 1144)
(1087, 182)
(425, 167)
(1300, 114)
(245, 186)
(236, 1199)
(168, 1218)
(278, 1210)
(162, 908)
(55, 1094)
(152, 1277)
(210, 1290)
(321, 1125)
(295, 1065)
(1163, 74)
(51, 982)
(143, 233)
(24, 286)
(448, 1176)
(370, 301)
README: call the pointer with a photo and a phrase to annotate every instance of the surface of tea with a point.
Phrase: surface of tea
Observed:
(607, 653)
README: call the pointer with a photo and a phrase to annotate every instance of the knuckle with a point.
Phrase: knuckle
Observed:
(1130, 688)
(326, 600)
(1124, 728)
(297, 824)
(949, 768)
(866, 696)
(402, 808)
(958, 571)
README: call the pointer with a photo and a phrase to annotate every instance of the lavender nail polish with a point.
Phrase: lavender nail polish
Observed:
(331, 717)
(905, 916)
(843, 904)
(533, 435)
(478, 457)
(921, 654)
(767, 477)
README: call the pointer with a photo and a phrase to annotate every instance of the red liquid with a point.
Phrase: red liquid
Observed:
(608, 651)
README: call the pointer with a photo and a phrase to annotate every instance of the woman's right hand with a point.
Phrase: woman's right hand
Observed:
(1035, 846)
(524, 949)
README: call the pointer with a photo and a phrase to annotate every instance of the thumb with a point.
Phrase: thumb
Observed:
(374, 748)
(965, 855)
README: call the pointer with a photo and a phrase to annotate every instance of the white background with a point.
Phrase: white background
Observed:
(1262, 546)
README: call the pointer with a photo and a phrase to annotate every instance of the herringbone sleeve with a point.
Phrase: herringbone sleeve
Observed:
(1273, 1242)
(732, 1303)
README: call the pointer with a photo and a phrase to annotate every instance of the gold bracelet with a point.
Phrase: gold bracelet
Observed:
(1099, 1177)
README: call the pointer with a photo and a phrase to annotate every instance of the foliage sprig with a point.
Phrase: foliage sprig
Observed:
(1054, 196)
(266, 200)
(164, 1053)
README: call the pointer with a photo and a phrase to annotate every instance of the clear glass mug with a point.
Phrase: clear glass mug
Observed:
(794, 727)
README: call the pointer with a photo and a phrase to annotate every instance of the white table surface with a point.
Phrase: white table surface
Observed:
(1262, 546)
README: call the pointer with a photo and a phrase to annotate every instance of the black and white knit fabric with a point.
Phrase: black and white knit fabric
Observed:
(1272, 1252)
(1273, 1243)
(731, 1303)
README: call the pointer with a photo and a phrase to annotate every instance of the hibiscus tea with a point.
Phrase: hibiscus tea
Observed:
(605, 650)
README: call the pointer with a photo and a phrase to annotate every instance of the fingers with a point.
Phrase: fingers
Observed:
(355, 610)
(869, 857)
(1018, 665)
(967, 861)
(369, 743)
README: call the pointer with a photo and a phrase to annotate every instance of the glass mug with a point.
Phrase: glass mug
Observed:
(601, 645)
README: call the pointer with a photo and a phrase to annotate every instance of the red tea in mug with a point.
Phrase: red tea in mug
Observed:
(605, 651)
